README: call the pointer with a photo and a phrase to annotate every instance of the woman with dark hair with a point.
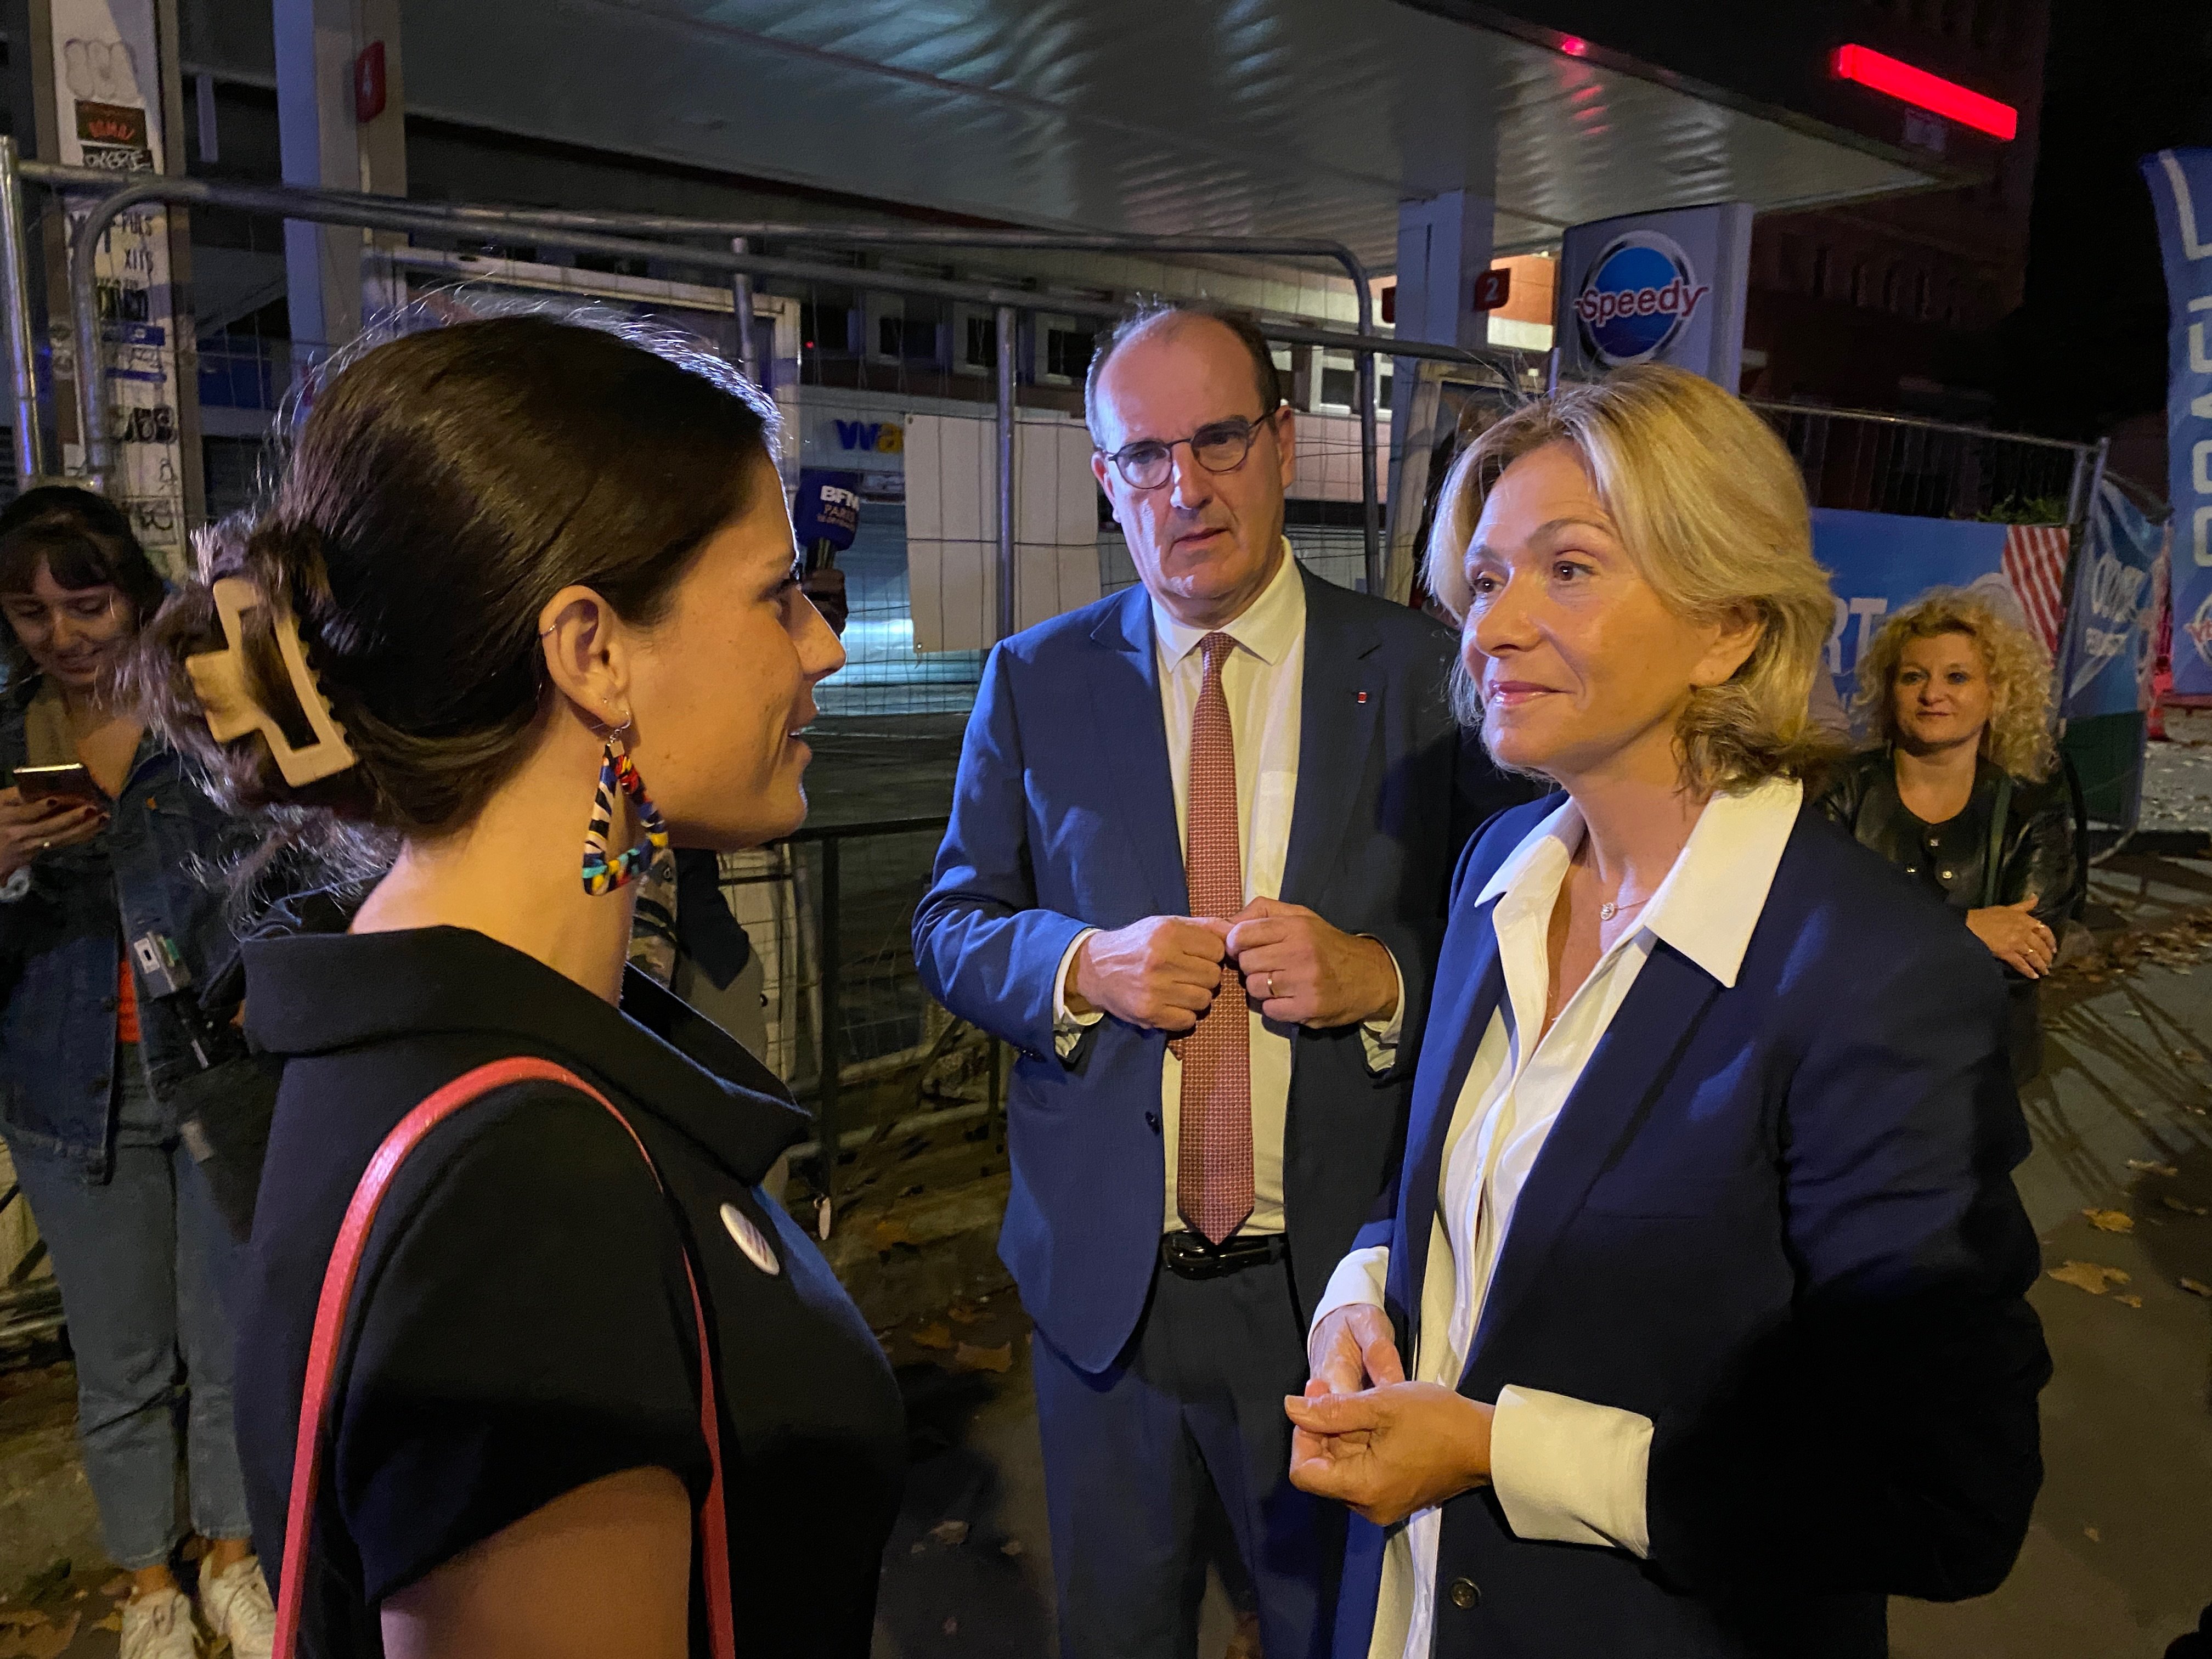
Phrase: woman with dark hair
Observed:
(106, 840)
(1962, 791)
(526, 590)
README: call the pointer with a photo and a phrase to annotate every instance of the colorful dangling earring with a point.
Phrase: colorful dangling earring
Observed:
(618, 772)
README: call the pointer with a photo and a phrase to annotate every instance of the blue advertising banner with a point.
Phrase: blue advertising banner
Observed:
(2108, 636)
(2181, 191)
(1655, 288)
(1878, 562)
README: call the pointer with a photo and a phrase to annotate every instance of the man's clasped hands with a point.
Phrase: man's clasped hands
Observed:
(1162, 972)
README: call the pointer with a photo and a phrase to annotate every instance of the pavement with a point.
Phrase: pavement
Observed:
(2118, 1186)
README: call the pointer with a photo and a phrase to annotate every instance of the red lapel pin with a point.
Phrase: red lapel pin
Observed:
(1362, 697)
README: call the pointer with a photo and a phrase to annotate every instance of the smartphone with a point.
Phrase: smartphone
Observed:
(59, 784)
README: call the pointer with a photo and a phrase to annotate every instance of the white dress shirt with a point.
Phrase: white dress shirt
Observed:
(1263, 682)
(1565, 1469)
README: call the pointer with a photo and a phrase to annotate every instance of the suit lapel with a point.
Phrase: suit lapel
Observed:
(1125, 692)
(1477, 977)
(1618, 1086)
(1336, 726)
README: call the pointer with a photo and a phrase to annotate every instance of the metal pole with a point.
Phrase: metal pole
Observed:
(1370, 494)
(825, 1109)
(22, 348)
(741, 301)
(551, 229)
(1006, 377)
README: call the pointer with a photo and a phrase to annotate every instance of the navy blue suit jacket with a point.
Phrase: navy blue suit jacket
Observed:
(1064, 819)
(1779, 1221)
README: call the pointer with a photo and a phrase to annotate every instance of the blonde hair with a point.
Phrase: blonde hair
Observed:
(1711, 506)
(2017, 739)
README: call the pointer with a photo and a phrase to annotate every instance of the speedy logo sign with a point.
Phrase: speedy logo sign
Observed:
(1638, 295)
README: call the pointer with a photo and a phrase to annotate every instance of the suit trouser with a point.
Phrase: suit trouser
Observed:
(1190, 1414)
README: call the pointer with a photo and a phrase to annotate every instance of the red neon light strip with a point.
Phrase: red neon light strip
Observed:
(1929, 92)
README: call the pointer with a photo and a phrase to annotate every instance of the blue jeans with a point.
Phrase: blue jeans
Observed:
(144, 1263)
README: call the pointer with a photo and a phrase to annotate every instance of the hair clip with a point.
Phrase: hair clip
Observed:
(219, 676)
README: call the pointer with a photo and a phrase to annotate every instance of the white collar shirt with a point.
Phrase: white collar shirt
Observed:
(1263, 682)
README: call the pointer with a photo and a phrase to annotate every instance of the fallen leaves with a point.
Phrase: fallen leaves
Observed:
(2092, 1535)
(891, 1231)
(933, 1336)
(2197, 1287)
(2130, 1301)
(969, 1357)
(2182, 1206)
(1012, 1549)
(950, 1532)
(2090, 1276)
(44, 1640)
(2110, 1221)
(2181, 943)
(2143, 1166)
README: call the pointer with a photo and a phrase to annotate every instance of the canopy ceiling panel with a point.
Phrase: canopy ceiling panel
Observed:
(1269, 117)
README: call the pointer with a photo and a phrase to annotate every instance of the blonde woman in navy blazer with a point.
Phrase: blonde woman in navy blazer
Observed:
(1699, 1329)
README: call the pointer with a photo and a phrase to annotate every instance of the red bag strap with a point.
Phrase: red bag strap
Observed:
(329, 1331)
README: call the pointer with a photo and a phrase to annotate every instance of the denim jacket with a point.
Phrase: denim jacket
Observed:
(156, 867)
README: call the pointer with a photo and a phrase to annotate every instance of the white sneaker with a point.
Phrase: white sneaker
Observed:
(235, 1604)
(159, 1626)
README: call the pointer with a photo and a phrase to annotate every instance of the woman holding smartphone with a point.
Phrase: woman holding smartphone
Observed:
(105, 841)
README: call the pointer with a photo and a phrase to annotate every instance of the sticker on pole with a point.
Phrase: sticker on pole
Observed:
(1640, 292)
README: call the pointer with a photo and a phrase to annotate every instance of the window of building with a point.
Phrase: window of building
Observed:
(982, 343)
(1067, 352)
(1892, 288)
(1862, 284)
(1820, 260)
(907, 338)
(825, 328)
(1924, 294)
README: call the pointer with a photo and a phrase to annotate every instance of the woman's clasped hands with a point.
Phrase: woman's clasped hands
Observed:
(1384, 1447)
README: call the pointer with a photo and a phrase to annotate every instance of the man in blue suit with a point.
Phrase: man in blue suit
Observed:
(1196, 874)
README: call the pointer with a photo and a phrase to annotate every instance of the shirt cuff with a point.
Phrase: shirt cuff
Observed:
(1069, 1027)
(1380, 1037)
(1359, 1278)
(1569, 1472)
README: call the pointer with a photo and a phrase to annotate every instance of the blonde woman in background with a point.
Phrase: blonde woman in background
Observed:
(1961, 790)
(1699, 1329)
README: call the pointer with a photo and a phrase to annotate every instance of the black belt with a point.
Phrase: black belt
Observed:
(1189, 1256)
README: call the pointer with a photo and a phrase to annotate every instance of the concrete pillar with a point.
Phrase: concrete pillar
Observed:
(319, 46)
(1443, 244)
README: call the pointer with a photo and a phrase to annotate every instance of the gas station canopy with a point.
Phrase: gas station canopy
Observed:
(1309, 118)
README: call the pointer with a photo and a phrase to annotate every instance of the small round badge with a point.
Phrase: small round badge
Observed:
(750, 1240)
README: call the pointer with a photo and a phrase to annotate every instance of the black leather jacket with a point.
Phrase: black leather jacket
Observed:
(2036, 850)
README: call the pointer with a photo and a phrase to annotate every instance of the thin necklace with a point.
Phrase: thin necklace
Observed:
(1608, 910)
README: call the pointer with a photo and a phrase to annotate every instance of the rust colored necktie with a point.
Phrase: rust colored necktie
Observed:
(1214, 1166)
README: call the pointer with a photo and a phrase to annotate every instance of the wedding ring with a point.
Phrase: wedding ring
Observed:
(1271, 987)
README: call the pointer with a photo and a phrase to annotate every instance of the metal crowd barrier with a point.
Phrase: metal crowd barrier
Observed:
(653, 236)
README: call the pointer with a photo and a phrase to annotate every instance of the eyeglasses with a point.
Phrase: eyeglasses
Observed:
(1218, 446)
